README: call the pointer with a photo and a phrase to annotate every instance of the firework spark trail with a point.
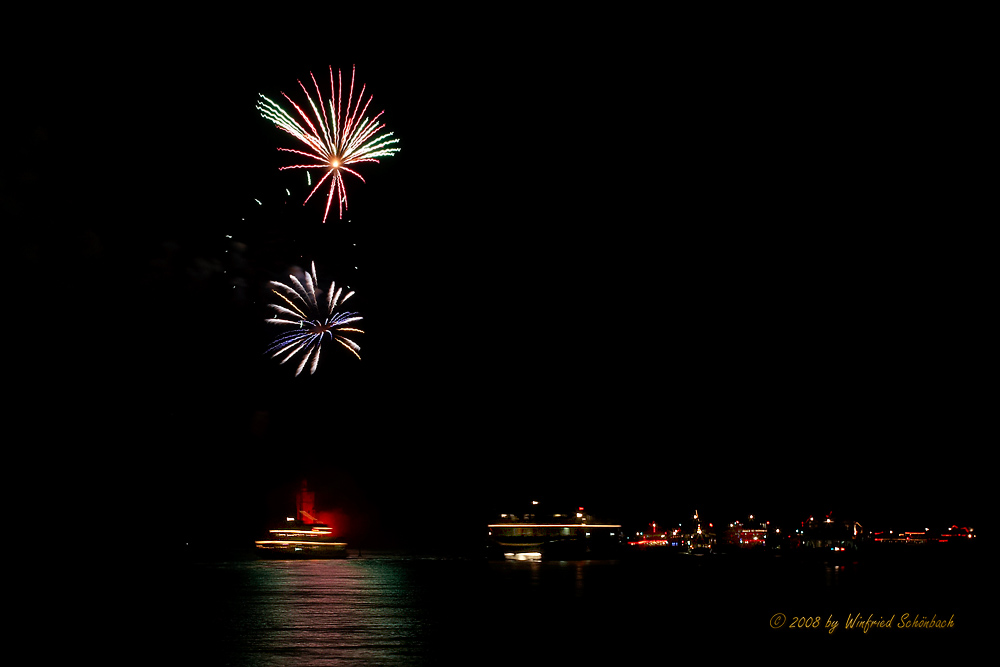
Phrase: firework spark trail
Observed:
(345, 137)
(312, 326)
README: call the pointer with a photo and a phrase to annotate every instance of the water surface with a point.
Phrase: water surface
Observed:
(398, 609)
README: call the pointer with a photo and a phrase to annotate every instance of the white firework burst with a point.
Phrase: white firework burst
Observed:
(312, 320)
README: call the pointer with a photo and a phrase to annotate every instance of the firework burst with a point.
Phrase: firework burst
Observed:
(313, 321)
(335, 137)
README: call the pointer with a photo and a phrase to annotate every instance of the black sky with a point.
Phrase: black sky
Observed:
(639, 270)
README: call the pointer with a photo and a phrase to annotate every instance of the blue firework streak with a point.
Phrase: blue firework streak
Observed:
(313, 322)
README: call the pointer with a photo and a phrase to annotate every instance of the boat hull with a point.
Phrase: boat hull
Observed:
(547, 548)
(308, 551)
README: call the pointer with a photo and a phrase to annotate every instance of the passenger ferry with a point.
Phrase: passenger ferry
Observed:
(558, 536)
(303, 536)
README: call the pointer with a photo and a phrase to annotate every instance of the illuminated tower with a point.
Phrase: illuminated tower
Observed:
(701, 538)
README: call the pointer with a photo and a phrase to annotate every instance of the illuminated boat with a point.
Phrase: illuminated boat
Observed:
(658, 540)
(302, 540)
(302, 536)
(561, 536)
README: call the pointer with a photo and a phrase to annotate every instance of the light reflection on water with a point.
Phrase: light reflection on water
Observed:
(378, 610)
(315, 612)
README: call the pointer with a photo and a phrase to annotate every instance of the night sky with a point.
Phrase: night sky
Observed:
(642, 271)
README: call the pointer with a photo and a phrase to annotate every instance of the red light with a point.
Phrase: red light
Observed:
(336, 519)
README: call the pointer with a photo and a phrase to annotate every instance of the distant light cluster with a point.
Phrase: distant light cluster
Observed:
(342, 137)
(314, 322)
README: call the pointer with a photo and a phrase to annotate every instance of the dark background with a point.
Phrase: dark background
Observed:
(638, 264)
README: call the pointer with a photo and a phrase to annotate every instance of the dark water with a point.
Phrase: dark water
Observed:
(394, 609)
